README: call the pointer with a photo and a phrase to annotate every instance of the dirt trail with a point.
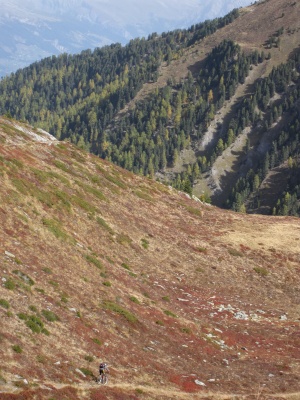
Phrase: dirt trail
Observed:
(169, 393)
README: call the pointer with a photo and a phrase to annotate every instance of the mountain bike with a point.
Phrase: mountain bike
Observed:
(102, 379)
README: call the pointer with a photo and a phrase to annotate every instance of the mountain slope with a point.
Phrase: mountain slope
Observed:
(32, 30)
(213, 109)
(252, 30)
(183, 300)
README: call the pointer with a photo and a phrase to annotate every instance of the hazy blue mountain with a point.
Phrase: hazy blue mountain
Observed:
(34, 29)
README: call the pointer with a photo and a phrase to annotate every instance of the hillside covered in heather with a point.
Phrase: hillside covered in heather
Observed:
(182, 299)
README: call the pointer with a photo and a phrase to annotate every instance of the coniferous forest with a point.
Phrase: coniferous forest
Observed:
(84, 98)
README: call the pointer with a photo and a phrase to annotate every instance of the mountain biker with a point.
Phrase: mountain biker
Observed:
(103, 368)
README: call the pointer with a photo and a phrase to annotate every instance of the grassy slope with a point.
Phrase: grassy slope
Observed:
(141, 276)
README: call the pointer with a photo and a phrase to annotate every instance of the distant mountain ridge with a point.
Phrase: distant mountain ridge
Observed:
(32, 30)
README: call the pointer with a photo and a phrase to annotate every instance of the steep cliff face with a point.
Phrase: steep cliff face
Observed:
(99, 264)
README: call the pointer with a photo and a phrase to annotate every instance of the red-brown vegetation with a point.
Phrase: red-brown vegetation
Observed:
(211, 296)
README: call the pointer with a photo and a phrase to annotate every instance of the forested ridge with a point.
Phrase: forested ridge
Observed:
(76, 96)
(79, 98)
(172, 117)
(283, 81)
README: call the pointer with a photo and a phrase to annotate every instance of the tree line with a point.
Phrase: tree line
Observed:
(79, 98)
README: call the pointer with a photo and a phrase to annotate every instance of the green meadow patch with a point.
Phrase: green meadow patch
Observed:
(93, 260)
(104, 225)
(80, 202)
(62, 166)
(110, 305)
(4, 303)
(143, 195)
(92, 190)
(55, 227)
(22, 186)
